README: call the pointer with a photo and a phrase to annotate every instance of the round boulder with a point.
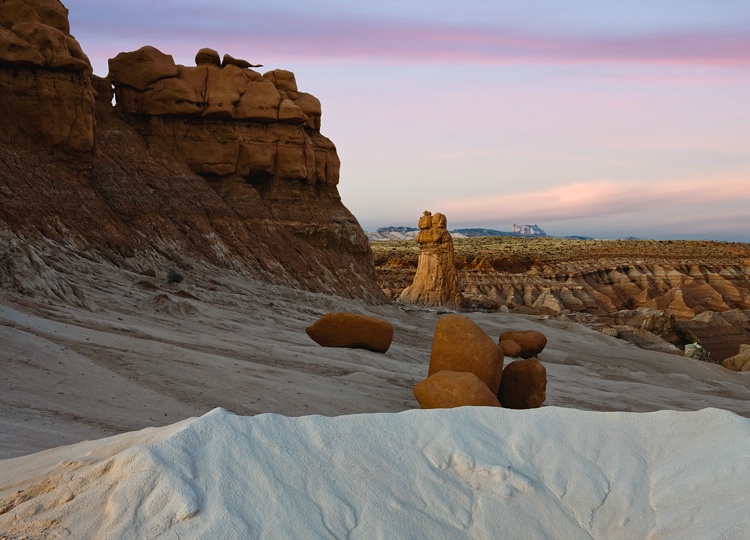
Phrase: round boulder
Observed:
(208, 57)
(353, 331)
(531, 342)
(448, 389)
(524, 385)
(510, 348)
(460, 345)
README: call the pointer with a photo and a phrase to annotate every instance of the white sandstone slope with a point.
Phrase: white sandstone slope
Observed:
(460, 473)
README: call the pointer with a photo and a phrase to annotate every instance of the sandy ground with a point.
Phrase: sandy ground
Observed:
(149, 353)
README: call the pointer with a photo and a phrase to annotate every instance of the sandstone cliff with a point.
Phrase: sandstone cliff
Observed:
(214, 163)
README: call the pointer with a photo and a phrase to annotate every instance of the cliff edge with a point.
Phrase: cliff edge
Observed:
(161, 165)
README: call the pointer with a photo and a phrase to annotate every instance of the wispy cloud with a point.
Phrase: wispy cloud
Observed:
(353, 37)
(600, 200)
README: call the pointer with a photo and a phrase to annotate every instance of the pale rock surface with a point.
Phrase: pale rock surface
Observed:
(448, 389)
(460, 473)
(353, 331)
(459, 344)
(436, 281)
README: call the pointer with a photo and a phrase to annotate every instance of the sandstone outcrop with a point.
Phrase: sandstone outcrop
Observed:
(740, 361)
(524, 385)
(531, 342)
(353, 331)
(448, 389)
(435, 282)
(44, 78)
(460, 345)
(200, 165)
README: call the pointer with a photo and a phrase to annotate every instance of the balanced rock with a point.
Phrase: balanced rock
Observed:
(532, 342)
(353, 331)
(142, 68)
(207, 57)
(524, 385)
(229, 60)
(510, 348)
(436, 280)
(740, 361)
(460, 345)
(447, 389)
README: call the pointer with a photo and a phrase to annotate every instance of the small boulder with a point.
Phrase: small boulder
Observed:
(352, 331)
(510, 348)
(208, 57)
(524, 385)
(697, 352)
(531, 342)
(239, 62)
(460, 345)
(740, 361)
(448, 389)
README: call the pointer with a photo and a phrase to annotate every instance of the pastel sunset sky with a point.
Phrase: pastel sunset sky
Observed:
(604, 118)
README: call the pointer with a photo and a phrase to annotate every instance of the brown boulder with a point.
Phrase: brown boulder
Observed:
(460, 345)
(740, 361)
(524, 385)
(207, 57)
(283, 79)
(352, 331)
(531, 342)
(510, 348)
(448, 389)
(142, 68)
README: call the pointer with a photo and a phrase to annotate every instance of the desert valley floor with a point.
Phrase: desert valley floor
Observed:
(137, 351)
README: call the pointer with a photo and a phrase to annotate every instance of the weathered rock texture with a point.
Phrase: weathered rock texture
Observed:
(203, 164)
(530, 342)
(524, 385)
(448, 389)
(607, 284)
(435, 282)
(740, 361)
(460, 345)
(351, 330)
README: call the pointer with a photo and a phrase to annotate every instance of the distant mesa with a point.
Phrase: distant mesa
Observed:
(528, 230)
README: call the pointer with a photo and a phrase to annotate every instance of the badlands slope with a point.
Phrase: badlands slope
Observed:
(143, 352)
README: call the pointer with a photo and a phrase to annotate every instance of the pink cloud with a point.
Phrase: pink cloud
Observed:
(598, 199)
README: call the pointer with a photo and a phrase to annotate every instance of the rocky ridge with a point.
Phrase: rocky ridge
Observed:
(214, 163)
(612, 285)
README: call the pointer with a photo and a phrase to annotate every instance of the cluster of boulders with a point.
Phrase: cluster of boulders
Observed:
(466, 365)
(466, 368)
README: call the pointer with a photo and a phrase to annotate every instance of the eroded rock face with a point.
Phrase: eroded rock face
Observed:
(204, 164)
(46, 93)
(353, 331)
(436, 280)
(460, 345)
(740, 361)
(448, 389)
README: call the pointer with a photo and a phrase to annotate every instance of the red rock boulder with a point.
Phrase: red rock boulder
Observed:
(531, 342)
(448, 389)
(524, 385)
(460, 345)
(510, 348)
(353, 331)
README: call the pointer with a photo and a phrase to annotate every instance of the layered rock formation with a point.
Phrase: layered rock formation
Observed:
(435, 282)
(681, 292)
(213, 164)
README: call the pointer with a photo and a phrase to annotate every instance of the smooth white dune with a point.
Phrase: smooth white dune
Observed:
(460, 473)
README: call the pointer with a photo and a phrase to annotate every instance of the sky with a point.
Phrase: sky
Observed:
(603, 118)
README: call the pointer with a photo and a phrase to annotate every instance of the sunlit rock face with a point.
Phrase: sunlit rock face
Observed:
(436, 281)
